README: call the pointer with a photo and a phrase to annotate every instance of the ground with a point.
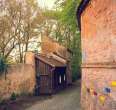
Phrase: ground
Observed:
(68, 99)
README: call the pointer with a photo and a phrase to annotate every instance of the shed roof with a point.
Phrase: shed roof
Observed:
(50, 61)
(55, 41)
(80, 10)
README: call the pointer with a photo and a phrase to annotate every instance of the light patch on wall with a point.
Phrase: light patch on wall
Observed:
(84, 56)
(84, 88)
(91, 91)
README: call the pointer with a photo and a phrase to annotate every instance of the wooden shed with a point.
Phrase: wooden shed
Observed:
(48, 46)
(50, 73)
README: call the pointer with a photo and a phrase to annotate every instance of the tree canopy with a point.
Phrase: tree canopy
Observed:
(22, 22)
(66, 31)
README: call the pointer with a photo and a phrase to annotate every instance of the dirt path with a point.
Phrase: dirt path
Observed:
(68, 99)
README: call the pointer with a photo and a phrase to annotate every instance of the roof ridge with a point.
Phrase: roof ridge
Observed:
(51, 61)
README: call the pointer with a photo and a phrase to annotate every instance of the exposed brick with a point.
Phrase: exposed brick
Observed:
(98, 34)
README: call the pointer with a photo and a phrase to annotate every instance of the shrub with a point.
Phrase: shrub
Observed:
(13, 96)
(76, 73)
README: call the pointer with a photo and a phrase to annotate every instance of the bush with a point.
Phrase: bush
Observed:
(76, 74)
(3, 64)
(13, 96)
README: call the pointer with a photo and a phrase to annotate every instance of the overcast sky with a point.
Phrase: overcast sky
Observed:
(46, 3)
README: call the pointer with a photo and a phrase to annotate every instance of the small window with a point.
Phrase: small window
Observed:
(60, 79)
(64, 78)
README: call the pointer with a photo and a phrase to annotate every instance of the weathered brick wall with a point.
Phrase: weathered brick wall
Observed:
(99, 31)
(98, 34)
(19, 79)
(95, 81)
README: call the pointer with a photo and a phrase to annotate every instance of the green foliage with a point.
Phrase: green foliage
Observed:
(67, 32)
(68, 19)
(68, 13)
(3, 64)
(49, 14)
(76, 59)
(13, 96)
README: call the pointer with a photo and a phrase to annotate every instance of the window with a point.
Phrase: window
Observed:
(64, 78)
(60, 79)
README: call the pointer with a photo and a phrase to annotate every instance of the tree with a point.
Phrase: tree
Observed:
(68, 18)
(18, 24)
(8, 29)
(67, 32)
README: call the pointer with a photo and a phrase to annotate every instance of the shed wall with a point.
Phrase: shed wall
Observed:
(46, 79)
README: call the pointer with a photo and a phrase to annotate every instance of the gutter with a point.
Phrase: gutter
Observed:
(80, 9)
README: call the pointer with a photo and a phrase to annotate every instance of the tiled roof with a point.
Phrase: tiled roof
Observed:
(55, 41)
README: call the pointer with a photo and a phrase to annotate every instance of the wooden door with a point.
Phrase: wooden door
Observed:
(45, 84)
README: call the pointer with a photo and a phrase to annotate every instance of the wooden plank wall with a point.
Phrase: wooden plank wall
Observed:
(46, 78)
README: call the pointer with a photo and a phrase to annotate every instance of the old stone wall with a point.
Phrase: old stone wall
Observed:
(98, 34)
(20, 79)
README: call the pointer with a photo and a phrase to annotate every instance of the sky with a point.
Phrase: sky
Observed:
(46, 3)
